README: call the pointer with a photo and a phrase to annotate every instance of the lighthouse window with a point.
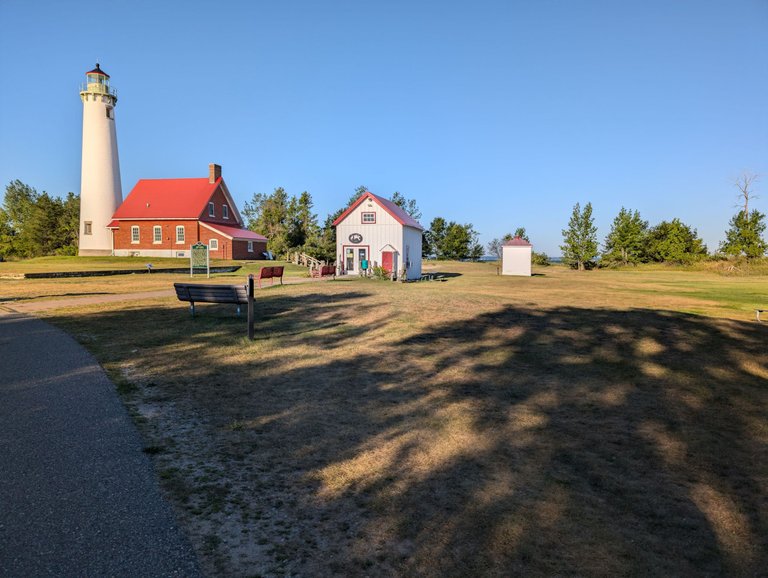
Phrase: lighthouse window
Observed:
(157, 233)
(110, 113)
(211, 210)
(180, 234)
(225, 211)
(135, 234)
(88, 228)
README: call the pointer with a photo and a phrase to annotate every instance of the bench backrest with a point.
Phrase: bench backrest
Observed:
(211, 293)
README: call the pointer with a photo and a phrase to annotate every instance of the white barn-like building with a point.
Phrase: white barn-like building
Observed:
(516, 257)
(376, 230)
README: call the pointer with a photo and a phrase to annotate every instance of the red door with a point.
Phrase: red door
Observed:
(386, 261)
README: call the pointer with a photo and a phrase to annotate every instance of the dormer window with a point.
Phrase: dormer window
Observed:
(368, 218)
(224, 212)
(211, 210)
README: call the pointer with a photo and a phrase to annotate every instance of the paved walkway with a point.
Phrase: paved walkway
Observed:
(77, 495)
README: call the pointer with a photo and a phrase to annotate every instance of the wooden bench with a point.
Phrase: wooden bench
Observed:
(199, 293)
(758, 312)
(271, 273)
(325, 271)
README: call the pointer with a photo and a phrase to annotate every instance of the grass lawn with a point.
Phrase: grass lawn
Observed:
(74, 287)
(598, 423)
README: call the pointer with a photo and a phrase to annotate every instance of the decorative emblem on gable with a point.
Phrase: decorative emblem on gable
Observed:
(355, 238)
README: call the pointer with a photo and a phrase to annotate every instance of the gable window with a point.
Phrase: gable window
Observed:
(224, 211)
(211, 210)
(213, 244)
(135, 234)
(250, 246)
(88, 228)
(157, 234)
(180, 234)
(368, 218)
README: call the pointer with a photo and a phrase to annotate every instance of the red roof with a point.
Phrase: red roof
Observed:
(517, 242)
(113, 225)
(167, 199)
(234, 232)
(397, 212)
(98, 70)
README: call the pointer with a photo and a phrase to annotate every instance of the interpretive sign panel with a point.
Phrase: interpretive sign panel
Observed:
(199, 260)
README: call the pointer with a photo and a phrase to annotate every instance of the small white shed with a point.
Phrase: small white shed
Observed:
(376, 231)
(516, 257)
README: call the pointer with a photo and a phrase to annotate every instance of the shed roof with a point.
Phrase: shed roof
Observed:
(517, 242)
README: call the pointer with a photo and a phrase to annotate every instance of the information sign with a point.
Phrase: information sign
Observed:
(199, 261)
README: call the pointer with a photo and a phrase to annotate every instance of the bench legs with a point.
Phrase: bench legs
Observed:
(192, 308)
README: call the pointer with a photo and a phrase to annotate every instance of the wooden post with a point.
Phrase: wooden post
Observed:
(250, 306)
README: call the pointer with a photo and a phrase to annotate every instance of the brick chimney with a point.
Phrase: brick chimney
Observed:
(214, 173)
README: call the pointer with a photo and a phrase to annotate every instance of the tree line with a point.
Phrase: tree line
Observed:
(290, 225)
(631, 241)
(36, 224)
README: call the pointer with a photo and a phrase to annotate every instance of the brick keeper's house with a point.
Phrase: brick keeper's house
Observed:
(164, 217)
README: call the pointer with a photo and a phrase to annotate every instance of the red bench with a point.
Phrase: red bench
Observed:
(271, 273)
(325, 271)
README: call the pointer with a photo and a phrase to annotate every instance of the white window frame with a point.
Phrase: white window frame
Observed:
(224, 212)
(250, 246)
(157, 235)
(135, 235)
(211, 210)
(213, 244)
(88, 228)
(180, 238)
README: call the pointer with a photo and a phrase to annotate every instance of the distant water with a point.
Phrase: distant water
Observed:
(495, 258)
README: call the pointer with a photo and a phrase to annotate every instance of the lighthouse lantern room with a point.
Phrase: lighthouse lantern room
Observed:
(100, 188)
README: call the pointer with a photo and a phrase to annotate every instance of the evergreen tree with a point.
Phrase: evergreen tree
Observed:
(6, 235)
(580, 239)
(624, 244)
(745, 236)
(674, 242)
(34, 224)
(435, 237)
(268, 215)
(408, 205)
(519, 232)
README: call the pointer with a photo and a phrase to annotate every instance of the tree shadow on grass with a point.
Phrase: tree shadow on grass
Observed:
(568, 441)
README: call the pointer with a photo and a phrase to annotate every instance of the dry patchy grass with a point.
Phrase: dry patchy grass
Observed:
(580, 424)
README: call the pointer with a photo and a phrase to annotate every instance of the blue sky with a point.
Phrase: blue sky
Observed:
(501, 114)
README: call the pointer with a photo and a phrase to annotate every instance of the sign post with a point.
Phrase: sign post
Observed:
(250, 307)
(199, 258)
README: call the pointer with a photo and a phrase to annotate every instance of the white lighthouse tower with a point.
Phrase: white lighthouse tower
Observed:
(100, 189)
